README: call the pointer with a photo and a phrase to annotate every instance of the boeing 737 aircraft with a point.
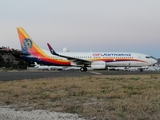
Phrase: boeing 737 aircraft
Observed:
(47, 67)
(95, 60)
(41, 67)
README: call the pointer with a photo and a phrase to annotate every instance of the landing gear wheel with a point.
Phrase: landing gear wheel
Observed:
(141, 70)
(83, 69)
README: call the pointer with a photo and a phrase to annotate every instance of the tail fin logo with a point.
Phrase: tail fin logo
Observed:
(26, 44)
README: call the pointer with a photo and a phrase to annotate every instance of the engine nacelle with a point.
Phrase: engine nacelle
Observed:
(98, 65)
(73, 63)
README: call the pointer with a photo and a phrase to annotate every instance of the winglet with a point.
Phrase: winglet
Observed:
(51, 49)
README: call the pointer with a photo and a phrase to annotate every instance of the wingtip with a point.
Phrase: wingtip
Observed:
(51, 49)
(49, 46)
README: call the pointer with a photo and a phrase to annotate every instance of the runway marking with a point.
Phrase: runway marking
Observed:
(97, 73)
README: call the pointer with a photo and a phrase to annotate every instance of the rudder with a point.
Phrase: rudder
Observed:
(27, 44)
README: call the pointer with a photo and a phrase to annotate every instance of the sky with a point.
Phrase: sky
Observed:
(84, 25)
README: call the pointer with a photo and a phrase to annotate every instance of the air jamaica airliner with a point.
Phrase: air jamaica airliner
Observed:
(95, 60)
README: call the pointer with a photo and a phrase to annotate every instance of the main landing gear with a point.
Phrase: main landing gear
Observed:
(83, 69)
(141, 69)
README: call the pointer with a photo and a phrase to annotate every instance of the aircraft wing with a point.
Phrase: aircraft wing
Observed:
(76, 60)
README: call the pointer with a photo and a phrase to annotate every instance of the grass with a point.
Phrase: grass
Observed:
(93, 97)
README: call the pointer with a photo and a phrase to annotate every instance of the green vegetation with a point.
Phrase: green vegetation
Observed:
(8, 60)
(93, 97)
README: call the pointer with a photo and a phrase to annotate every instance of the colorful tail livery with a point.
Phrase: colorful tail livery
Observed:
(31, 52)
(27, 44)
(95, 60)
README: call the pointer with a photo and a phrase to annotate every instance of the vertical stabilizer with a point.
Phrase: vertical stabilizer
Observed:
(27, 44)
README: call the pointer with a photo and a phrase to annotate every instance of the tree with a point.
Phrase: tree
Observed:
(1, 61)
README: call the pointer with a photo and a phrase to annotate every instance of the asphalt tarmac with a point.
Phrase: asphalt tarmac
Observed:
(21, 75)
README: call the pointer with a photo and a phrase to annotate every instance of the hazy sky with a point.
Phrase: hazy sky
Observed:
(84, 25)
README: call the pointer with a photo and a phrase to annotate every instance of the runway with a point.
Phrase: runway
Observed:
(21, 75)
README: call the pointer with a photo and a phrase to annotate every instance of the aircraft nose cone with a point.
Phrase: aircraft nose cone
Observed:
(155, 61)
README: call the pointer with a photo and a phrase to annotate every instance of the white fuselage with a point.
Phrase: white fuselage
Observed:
(116, 59)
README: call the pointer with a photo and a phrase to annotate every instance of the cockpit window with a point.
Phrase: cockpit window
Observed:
(151, 57)
(147, 56)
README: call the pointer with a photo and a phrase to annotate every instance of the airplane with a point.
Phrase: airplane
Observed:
(46, 67)
(94, 60)
(41, 67)
(120, 68)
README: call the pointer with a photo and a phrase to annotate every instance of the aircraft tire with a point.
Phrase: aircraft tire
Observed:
(83, 69)
(141, 70)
